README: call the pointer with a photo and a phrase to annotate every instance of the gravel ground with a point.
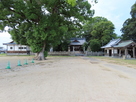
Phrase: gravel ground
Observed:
(14, 60)
(116, 67)
(67, 79)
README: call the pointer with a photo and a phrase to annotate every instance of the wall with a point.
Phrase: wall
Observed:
(94, 53)
(16, 48)
(63, 53)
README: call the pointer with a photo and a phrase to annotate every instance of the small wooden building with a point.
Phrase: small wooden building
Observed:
(17, 49)
(118, 48)
(76, 44)
(109, 49)
(126, 49)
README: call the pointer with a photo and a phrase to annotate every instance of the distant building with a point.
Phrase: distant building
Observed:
(126, 48)
(74, 48)
(17, 49)
(76, 44)
(118, 48)
(109, 48)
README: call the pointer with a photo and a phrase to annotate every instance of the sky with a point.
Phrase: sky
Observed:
(117, 11)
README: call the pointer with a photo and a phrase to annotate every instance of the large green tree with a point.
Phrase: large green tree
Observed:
(98, 30)
(43, 23)
(63, 46)
(129, 26)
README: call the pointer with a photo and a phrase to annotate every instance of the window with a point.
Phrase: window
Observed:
(20, 47)
(11, 47)
(24, 47)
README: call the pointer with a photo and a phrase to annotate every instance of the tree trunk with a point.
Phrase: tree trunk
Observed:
(40, 55)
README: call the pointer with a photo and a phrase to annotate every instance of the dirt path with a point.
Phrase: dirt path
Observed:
(66, 79)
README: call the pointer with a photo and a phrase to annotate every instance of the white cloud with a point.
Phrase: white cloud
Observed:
(117, 11)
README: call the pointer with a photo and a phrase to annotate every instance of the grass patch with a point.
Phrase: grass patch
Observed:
(116, 60)
(23, 55)
(60, 56)
(2, 54)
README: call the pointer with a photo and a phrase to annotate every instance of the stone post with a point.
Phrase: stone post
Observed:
(51, 49)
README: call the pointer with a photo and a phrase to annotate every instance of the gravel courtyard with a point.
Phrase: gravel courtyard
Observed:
(66, 79)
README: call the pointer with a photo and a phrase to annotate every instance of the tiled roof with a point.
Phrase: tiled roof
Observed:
(124, 43)
(10, 43)
(77, 41)
(112, 43)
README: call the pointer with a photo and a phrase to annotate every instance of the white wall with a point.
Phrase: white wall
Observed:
(16, 48)
(114, 51)
(107, 51)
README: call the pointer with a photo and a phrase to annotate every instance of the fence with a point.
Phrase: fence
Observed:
(94, 53)
(19, 53)
(76, 53)
(60, 53)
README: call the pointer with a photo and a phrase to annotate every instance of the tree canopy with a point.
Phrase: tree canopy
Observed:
(43, 23)
(98, 31)
(129, 26)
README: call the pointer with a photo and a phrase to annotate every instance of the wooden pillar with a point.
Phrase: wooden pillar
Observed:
(112, 52)
(73, 48)
(84, 49)
(126, 52)
(119, 52)
(69, 49)
(134, 52)
(107, 52)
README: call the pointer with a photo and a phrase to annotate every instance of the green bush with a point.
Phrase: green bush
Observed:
(95, 45)
(45, 53)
